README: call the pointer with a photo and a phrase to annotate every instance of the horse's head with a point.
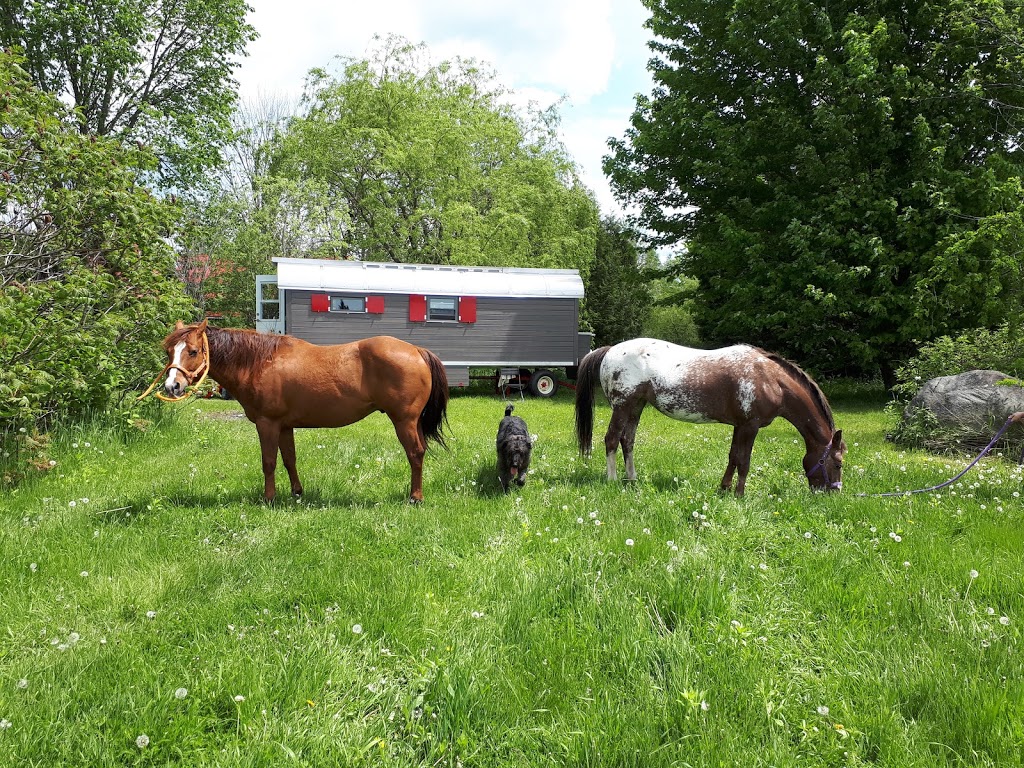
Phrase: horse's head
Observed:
(188, 354)
(824, 467)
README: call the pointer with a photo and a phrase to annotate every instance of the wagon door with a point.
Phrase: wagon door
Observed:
(269, 307)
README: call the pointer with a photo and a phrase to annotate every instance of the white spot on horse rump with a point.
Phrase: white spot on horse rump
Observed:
(178, 349)
(746, 394)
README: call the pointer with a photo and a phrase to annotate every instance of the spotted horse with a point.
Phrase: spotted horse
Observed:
(739, 385)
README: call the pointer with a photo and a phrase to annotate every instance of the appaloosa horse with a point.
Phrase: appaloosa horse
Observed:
(284, 383)
(741, 385)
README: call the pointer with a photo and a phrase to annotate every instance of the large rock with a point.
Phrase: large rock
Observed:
(969, 407)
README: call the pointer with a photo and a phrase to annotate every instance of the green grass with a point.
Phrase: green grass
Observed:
(500, 630)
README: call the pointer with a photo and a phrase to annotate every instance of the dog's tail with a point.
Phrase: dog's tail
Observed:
(586, 380)
(509, 409)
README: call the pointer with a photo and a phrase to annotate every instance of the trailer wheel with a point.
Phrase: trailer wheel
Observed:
(543, 384)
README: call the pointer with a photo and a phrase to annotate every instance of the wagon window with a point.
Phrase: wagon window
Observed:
(348, 304)
(442, 308)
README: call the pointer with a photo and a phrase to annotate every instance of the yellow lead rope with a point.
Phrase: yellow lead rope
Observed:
(205, 367)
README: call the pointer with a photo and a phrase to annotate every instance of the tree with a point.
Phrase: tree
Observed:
(433, 166)
(846, 175)
(87, 287)
(618, 298)
(156, 72)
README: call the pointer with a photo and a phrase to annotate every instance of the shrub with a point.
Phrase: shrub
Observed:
(977, 349)
(87, 286)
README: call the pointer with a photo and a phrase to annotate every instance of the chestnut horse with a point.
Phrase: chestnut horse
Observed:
(741, 385)
(284, 383)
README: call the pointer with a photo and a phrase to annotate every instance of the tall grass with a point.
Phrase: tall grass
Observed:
(148, 591)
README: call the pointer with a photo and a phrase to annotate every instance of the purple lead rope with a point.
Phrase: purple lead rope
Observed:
(966, 469)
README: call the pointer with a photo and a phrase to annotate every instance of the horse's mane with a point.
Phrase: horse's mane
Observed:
(235, 347)
(807, 382)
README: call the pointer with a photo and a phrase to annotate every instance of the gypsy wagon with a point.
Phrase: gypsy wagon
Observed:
(520, 323)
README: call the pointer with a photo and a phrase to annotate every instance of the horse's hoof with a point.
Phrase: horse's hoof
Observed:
(414, 501)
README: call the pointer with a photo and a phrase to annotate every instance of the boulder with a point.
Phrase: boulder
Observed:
(967, 408)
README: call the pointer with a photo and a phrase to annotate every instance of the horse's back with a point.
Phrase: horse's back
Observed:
(695, 385)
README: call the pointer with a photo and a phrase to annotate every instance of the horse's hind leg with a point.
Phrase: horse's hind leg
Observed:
(622, 425)
(270, 434)
(739, 457)
(411, 438)
(629, 439)
(288, 457)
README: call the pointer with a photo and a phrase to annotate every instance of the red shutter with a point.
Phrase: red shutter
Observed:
(320, 302)
(417, 308)
(375, 305)
(467, 309)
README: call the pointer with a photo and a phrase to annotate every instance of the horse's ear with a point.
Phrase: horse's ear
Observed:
(179, 325)
(837, 438)
(201, 328)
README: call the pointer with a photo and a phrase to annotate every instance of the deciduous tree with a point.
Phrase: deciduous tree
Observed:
(159, 72)
(434, 166)
(846, 175)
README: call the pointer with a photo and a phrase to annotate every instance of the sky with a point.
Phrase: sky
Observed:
(592, 53)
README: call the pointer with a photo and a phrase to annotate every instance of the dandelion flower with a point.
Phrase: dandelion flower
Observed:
(808, 535)
(72, 503)
(629, 542)
(973, 574)
(823, 710)
(84, 574)
(23, 684)
(357, 629)
(1004, 620)
(181, 693)
(33, 567)
(142, 741)
(150, 614)
(239, 699)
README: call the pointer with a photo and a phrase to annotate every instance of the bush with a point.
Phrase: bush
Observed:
(87, 286)
(977, 349)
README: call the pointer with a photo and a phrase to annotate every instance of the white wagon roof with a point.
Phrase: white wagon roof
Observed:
(432, 279)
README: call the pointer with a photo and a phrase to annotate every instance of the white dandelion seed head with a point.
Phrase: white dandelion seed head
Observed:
(181, 693)
(973, 574)
(629, 542)
(22, 684)
(84, 574)
(150, 614)
(72, 503)
(357, 629)
(1004, 620)
(823, 710)
(239, 699)
(808, 535)
(142, 741)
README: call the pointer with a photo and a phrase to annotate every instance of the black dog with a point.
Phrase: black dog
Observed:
(514, 449)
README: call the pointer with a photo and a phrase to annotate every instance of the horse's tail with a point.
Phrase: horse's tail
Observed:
(586, 382)
(435, 413)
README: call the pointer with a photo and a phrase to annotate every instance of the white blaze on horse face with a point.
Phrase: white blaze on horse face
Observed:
(178, 349)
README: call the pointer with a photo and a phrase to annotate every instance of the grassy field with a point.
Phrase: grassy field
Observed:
(155, 612)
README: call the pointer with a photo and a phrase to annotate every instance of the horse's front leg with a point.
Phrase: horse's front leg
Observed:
(739, 457)
(288, 456)
(270, 435)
